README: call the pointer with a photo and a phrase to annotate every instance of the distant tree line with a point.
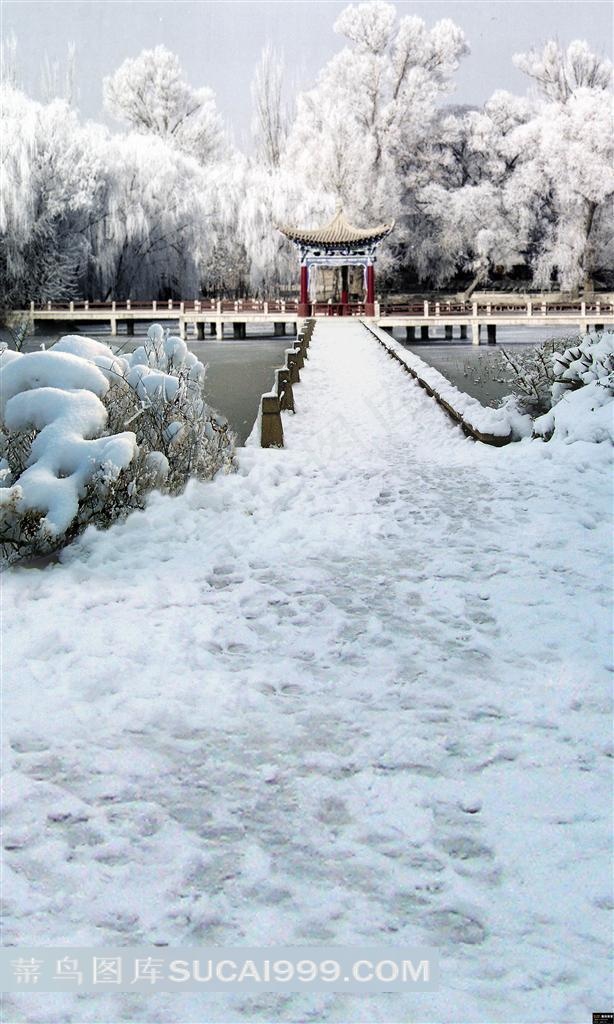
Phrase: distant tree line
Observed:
(169, 207)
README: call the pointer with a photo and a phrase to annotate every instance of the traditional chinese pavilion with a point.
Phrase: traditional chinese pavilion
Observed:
(338, 244)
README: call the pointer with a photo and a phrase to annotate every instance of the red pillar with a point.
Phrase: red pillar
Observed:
(370, 301)
(303, 307)
(344, 288)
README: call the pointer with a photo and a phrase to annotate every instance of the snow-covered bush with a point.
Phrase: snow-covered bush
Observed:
(582, 392)
(531, 373)
(85, 434)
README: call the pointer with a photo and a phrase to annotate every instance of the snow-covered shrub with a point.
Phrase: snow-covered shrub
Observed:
(531, 373)
(582, 392)
(591, 360)
(85, 434)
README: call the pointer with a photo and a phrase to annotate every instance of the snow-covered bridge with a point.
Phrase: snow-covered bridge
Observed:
(330, 699)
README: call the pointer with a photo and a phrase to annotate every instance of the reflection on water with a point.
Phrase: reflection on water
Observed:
(239, 371)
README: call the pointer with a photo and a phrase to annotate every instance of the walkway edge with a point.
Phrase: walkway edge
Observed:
(490, 426)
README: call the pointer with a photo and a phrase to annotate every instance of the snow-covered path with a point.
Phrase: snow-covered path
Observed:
(355, 694)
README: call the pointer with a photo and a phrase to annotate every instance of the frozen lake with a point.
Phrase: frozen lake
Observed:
(239, 371)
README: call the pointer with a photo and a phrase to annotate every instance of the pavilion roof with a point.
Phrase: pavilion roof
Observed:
(338, 232)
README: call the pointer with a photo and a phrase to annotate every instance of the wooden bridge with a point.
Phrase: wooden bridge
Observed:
(420, 319)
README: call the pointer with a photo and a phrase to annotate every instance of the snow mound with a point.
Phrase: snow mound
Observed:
(66, 459)
(48, 369)
(582, 393)
(583, 415)
(57, 395)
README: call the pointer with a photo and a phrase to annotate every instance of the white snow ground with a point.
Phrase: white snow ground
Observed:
(355, 694)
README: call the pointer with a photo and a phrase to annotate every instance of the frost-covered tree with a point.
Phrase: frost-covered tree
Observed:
(152, 235)
(51, 187)
(270, 114)
(571, 144)
(150, 94)
(372, 111)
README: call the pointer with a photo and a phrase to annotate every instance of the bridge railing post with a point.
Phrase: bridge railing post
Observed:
(71, 306)
(598, 307)
(376, 309)
(543, 308)
(488, 309)
(154, 305)
(49, 306)
(113, 305)
(437, 309)
(218, 306)
(265, 307)
(31, 306)
(426, 309)
(474, 309)
(583, 308)
(170, 303)
(86, 304)
(271, 429)
(182, 308)
(529, 308)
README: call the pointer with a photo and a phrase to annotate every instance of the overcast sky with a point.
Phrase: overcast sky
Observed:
(219, 43)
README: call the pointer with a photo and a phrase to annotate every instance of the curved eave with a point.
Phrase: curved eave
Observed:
(336, 235)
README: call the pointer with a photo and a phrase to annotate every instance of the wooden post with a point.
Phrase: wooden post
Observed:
(284, 391)
(292, 365)
(271, 429)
